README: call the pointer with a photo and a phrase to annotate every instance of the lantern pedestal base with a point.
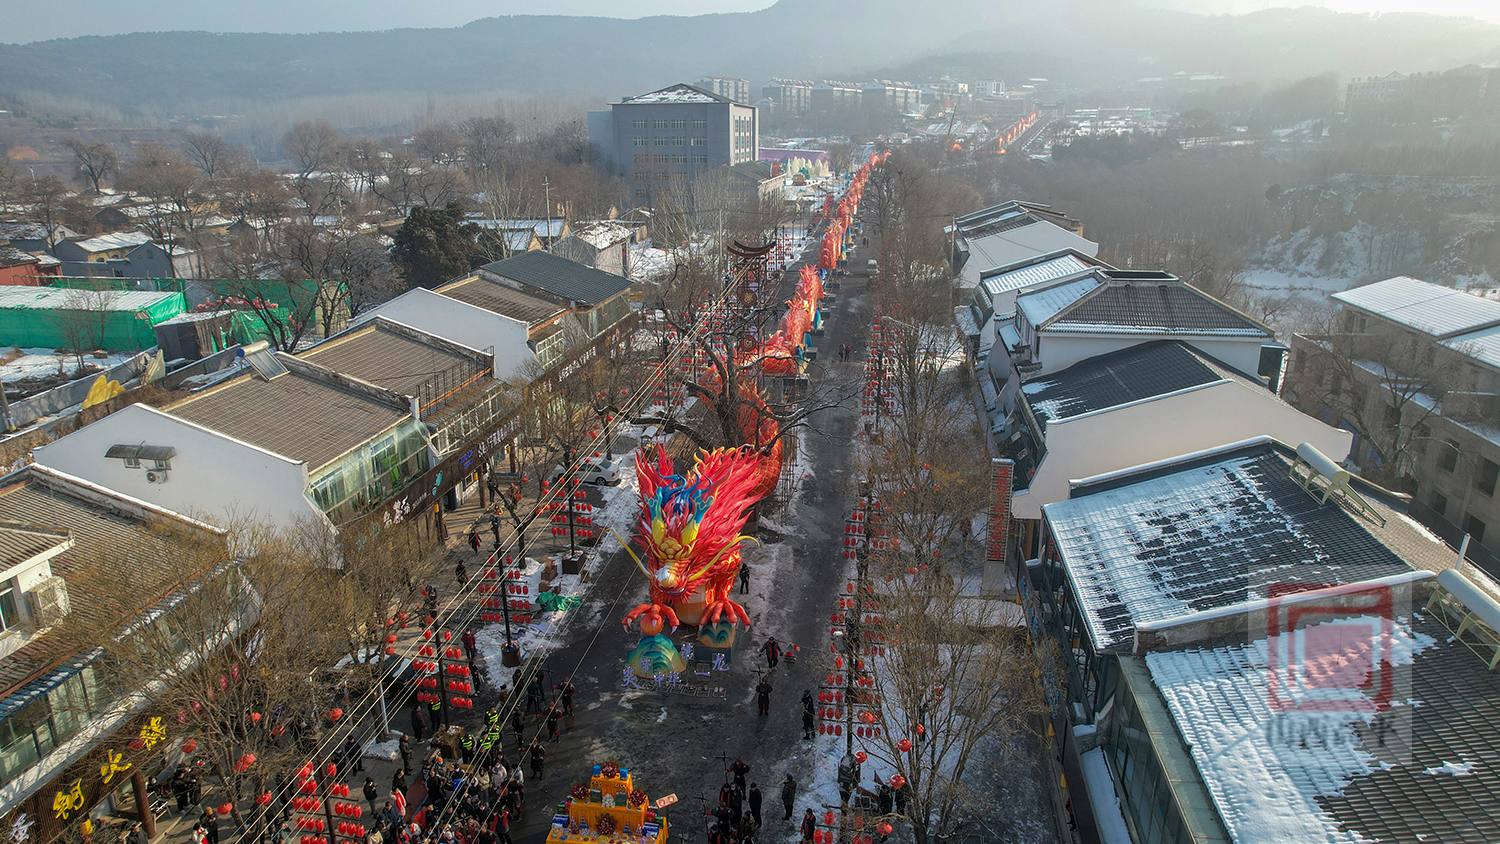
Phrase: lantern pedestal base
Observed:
(572, 565)
(510, 655)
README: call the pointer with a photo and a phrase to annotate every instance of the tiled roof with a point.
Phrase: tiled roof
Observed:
(1138, 372)
(559, 277)
(13, 257)
(19, 543)
(386, 357)
(47, 508)
(487, 293)
(295, 415)
(1208, 534)
(1429, 308)
(1423, 769)
(1171, 307)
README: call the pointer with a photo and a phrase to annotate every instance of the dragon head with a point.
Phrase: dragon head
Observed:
(690, 525)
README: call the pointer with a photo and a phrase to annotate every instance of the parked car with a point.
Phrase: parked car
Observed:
(591, 470)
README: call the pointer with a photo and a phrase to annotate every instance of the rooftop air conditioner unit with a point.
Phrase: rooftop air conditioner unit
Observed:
(156, 476)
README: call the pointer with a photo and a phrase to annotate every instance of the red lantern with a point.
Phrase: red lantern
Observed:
(905, 745)
(898, 781)
(226, 808)
(335, 714)
(190, 747)
(263, 799)
(885, 828)
(828, 819)
(332, 770)
(860, 757)
(867, 717)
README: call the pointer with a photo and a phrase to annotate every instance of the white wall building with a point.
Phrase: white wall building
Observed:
(463, 323)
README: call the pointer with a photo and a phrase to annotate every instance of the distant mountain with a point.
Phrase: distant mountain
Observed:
(1089, 41)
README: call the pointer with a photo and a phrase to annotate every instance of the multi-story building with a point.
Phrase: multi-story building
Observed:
(986, 88)
(1374, 90)
(735, 89)
(885, 95)
(792, 96)
(673, 135)
(1413, 370)
(829, 96)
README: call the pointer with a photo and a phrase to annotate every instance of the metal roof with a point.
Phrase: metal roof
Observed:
(62, 298)
(1034, 271)
(1482, 345)
(1430, 308)
(491, 295)
(1203, 535)
(1038, 306)
(680, 93)
(19, 543)
(108, 242)
(384, 356)
(560, 277)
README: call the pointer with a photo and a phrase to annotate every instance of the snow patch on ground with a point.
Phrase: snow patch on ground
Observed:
(389, 751)
(1452, 769)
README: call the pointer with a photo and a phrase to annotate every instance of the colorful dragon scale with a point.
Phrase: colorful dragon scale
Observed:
(690, 531)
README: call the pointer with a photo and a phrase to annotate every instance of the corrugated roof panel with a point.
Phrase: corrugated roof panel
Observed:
(1482, 345)
(1039, 306)
(61, 298)
(1063, 265)
(1429, 308)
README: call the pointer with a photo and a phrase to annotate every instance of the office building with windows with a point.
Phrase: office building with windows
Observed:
(673, 134)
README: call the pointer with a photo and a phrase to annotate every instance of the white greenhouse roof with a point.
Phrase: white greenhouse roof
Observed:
(1038, 306)
(1028, 273)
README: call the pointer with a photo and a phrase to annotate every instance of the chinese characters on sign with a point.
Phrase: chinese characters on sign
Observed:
(113, 764)
(152, 733)
(70, 801)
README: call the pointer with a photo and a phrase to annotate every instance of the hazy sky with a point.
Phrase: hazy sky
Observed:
(29, 20)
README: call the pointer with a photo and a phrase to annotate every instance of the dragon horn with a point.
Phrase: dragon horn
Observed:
(626, 545)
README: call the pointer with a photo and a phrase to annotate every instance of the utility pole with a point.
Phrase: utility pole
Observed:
(547, 198)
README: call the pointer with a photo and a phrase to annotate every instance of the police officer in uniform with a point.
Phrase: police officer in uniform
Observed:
(466, 744)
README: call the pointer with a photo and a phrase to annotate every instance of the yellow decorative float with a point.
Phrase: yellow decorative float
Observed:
(608, 809)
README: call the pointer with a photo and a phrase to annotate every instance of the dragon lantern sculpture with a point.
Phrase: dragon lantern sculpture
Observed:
(690, 523)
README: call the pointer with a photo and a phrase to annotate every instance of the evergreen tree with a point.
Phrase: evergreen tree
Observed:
(435, 245)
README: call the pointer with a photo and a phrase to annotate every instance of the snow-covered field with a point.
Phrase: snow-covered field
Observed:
(48, 363)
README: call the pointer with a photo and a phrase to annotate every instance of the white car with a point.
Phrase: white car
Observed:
(591, 470)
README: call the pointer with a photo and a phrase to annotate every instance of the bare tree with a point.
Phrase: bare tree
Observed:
(82, 319)
(96, 162)
(216, 157)
(484, 141)
(169, 183)
(46, 198)
(312, 146)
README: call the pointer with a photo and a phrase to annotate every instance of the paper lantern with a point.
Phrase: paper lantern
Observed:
(885, 828)
(867, 717)
(335, 714)
(828, 818)
(255, 717)
(263, 799)
(898, 781)
(190, 747)
(860, 757)
(226, 808)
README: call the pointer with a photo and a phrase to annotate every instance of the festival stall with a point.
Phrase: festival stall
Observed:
(609, 808)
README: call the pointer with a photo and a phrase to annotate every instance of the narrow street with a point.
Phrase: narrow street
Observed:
(681, 744)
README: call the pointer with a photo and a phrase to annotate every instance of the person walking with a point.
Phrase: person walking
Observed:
(211, 828)
(518, 723)
(763, 696)
(538, 758)
(565, 693)
(788, 795)
(460, 571)
(809, 714)
(398, 781)
(495, 526)
(736, 804)
(754, 799)
(809, 826)
(404, 747)
(372, 793)
(552, 716)
(353, 758)
(473, 541)
(772, 650)
(502, 826)
(744, 579)
(470, 643)
(739, 769)
(534, 694)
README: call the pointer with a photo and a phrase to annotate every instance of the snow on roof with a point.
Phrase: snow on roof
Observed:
(1201, 536)
(681, 93)
(544, 228)
(603, 234)
(63, 298)
(1031, 271)
(108, 242)
(1430, 308)
(1482, 345)
(1038, 306)
(1271, 771)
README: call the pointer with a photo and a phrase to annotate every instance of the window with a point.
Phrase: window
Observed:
(679, 142)
(700, 123)
(661, 141)
(132, 462)
(1449, 461)
(700, 142)
(679, 159)
(679, 124)
(1489, 472)
(1474, 527)
(8, 614)
(637, 124)
(663, 158)
(658, 124)
(640, 193)
(1440, 503)
(700, 159)
(641, 142)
